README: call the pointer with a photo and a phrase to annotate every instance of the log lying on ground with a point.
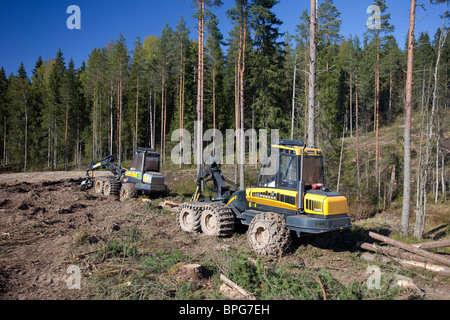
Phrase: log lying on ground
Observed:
(394, 254)
(238, 288)
(433, 244)
(427, 266)
(432, 256)
(169, 205)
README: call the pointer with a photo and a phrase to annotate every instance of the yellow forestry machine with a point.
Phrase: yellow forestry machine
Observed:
(290, 196)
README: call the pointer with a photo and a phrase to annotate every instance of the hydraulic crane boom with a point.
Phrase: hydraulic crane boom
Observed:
(105, 163)
(221, 186)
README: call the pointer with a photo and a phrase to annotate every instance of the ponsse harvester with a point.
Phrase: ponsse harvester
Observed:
(290, 197)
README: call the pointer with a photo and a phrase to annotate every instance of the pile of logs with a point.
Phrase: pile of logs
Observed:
(414, 256)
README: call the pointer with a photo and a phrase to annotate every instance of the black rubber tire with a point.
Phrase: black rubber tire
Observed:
(111, 187)
(98, 185)
(188, 216)
(267, 234)
(217, 220)
(127, 191)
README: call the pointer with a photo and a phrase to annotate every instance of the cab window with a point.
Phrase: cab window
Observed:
(151, 164)
(268, 173)
(136, 163)
(313, 170)
(287, 173)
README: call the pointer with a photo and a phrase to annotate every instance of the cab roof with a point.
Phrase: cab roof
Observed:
(296, 147)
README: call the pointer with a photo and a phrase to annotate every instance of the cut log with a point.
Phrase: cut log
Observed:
(230, 293)
(406, 263)
(172, 203)
(238, 288)
(392, 252)
(427, 266)
(169, 205)
(418, 251)
(433, 244)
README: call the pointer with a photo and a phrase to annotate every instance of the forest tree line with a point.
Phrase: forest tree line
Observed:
(56, 116)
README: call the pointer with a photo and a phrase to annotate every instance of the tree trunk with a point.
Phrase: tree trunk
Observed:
(444, 191)
(55, 145)
(150, 119)
(422, 207)
(111, 133)
(241, 96)
(94, 128)
(377, 107)
(312, 76)
(120, 118)
(340, 159)
(407, 132)
(163, 85)
(49, 146)
(181, 102)
(358, 175)
(306, 95)
(200, 85)
(99, 142)
(26, 137)
(236, 113)
(137, 113)
(4, 142)
(351, 106)
(214, 106)
(391, 187)
(165, 124)
(390, 93)
(66, 156)
(437, 166)
(293, 98)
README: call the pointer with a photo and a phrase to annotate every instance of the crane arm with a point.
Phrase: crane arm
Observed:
(105, 163)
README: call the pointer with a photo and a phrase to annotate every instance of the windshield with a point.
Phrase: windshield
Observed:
(312, 170)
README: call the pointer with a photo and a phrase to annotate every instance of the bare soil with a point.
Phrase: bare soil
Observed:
(40, 213)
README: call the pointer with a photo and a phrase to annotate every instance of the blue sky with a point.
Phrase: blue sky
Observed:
(29, 28)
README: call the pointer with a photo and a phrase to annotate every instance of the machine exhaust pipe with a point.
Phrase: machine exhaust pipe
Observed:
(301, 190)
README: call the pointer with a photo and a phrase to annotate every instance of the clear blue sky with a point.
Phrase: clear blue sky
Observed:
(29, 28)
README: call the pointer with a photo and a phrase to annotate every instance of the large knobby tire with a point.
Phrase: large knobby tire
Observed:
(127, 191)
(98, 185)
(217, 220)
(267, 234)
(111, 187)
(188, 216)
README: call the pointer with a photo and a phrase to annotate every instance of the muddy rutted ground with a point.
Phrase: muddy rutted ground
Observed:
(38, 222)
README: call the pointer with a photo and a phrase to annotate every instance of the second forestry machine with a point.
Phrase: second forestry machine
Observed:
(143, 177)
